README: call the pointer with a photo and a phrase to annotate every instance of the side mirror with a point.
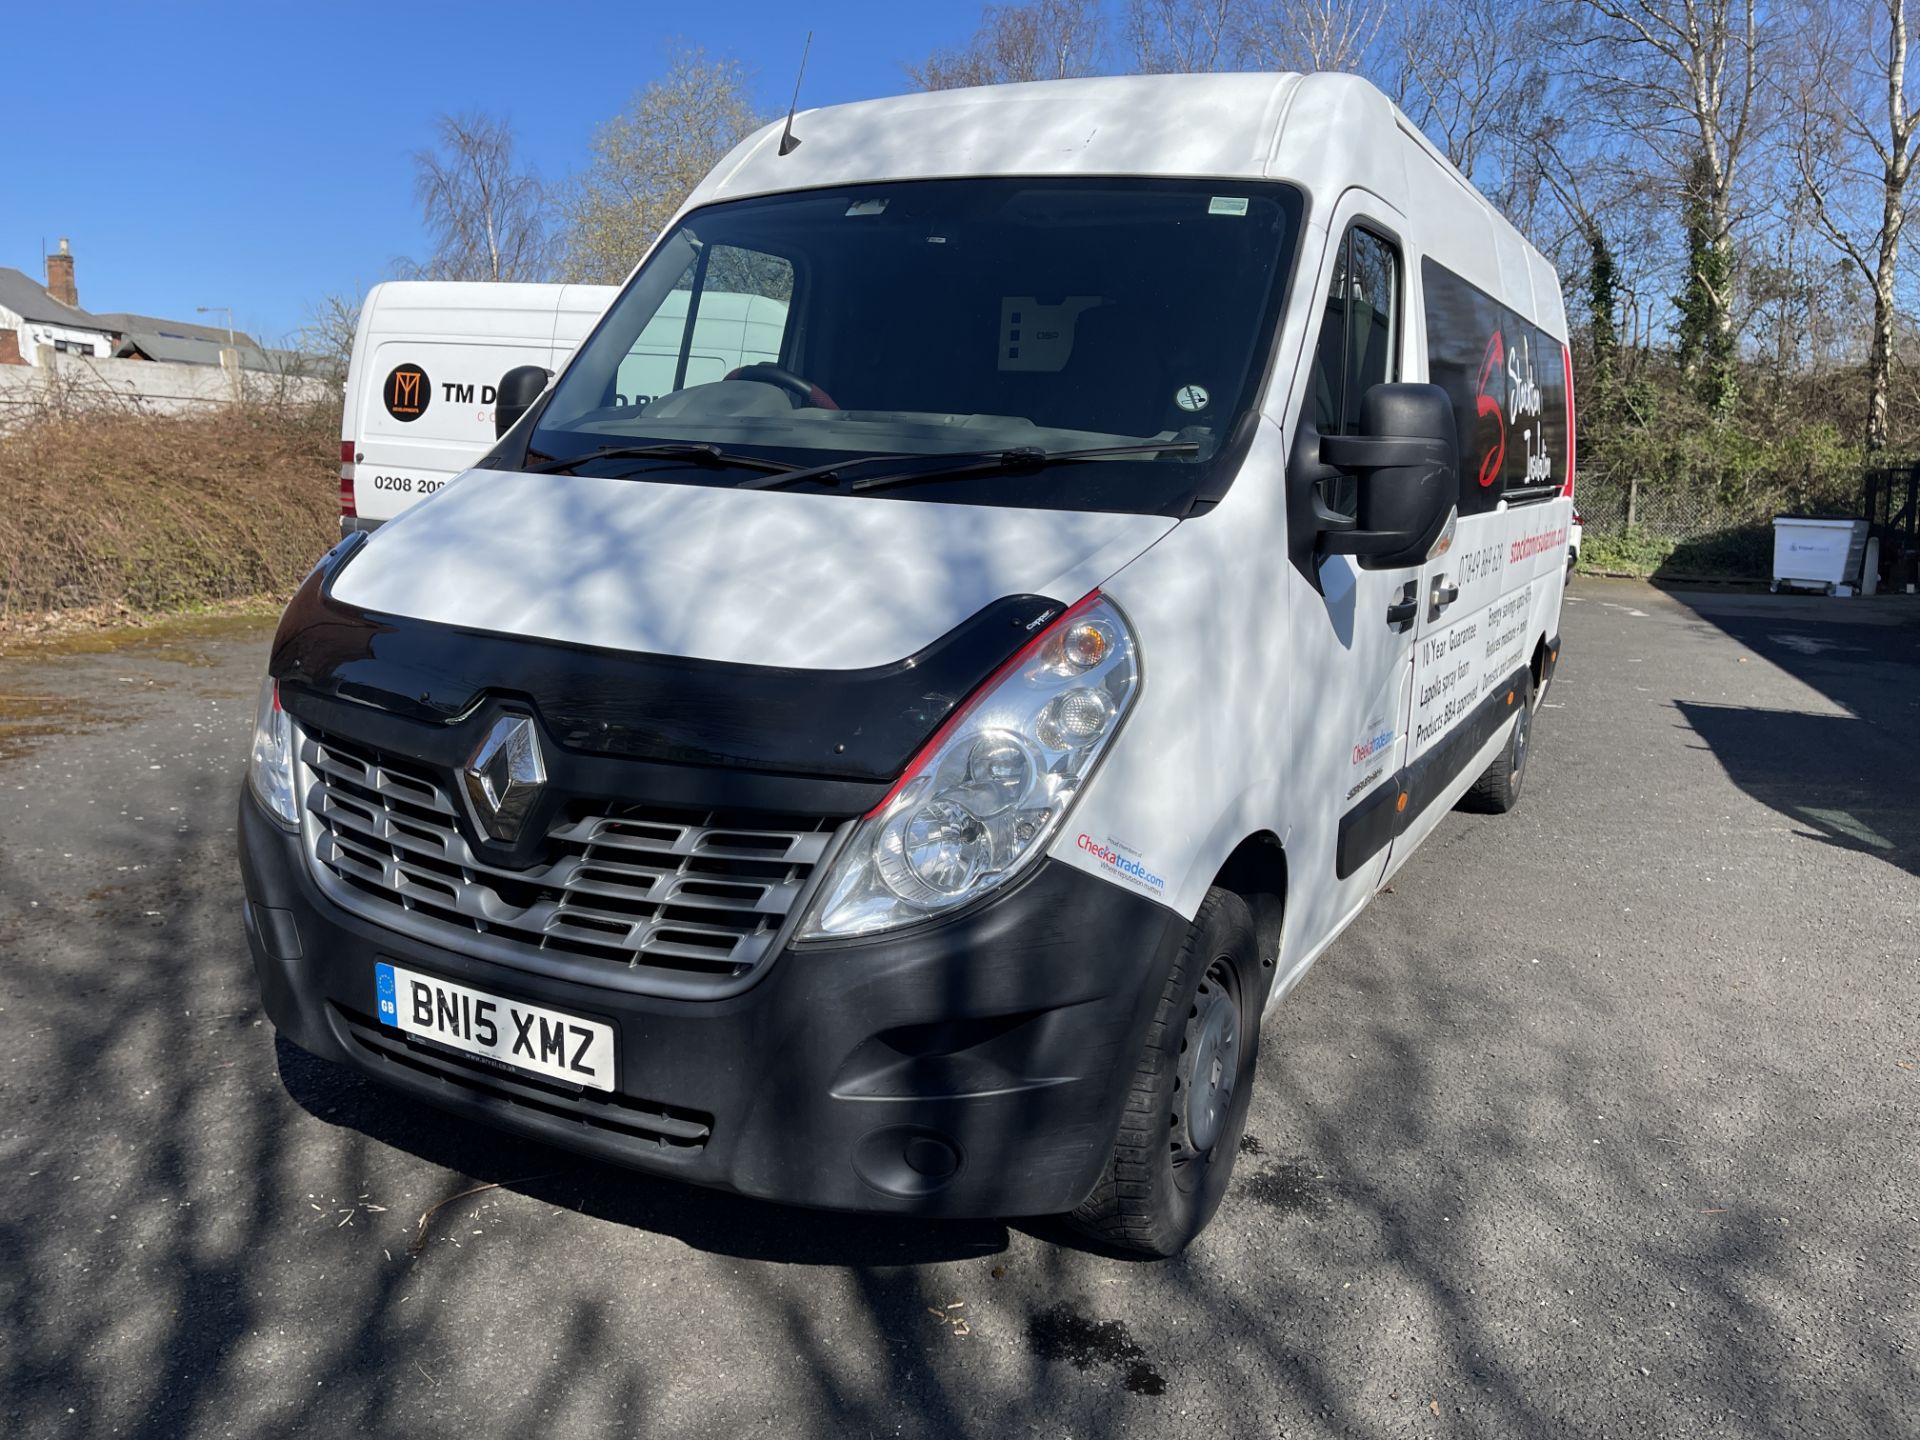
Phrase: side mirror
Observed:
(1406, 465)
(519, 388)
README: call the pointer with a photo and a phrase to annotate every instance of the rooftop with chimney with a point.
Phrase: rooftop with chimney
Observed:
(33, 314)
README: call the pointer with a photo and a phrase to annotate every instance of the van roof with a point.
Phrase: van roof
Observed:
(1130, 125)
(494, 295)
(1324, 132)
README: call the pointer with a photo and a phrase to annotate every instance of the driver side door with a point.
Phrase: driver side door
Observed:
(1354, 631)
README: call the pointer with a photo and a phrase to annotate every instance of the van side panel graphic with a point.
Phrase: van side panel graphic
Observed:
(1507, 379)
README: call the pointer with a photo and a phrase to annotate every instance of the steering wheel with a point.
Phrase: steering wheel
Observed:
(803, 391)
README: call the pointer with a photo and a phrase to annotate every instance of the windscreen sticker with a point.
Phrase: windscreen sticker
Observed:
(1040, 337)
(407, 393)
(1227, 205)
(1192, 397)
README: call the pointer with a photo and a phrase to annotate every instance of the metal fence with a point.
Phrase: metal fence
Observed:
(1710, 534)
(1610, 506)
(1891, 505)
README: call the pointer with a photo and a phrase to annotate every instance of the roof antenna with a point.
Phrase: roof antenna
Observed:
(788, 144)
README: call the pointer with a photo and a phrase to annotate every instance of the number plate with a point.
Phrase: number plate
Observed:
(550, 1043)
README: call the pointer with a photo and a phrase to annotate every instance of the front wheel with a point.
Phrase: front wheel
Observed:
(1498, 790)
(1190, 1088)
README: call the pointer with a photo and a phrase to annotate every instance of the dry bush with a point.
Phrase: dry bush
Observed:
(152, 512)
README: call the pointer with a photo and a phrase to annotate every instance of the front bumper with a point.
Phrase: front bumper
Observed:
(975, 1067)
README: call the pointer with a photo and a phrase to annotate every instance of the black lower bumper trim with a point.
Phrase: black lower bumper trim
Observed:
(469, 1082)
(974, 1067)
(1392, 807)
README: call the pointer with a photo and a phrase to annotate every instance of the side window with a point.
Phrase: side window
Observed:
(1329, 356)
(1507, 380)
(1356, 349)
(727, 311)
(1373, 307)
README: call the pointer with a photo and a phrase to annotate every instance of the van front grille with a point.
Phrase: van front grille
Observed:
(690, 900)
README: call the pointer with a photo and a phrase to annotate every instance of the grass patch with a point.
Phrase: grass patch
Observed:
(1745, 554)
(155, 514)
(1633, 553)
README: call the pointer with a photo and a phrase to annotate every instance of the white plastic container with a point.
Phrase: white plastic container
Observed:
(1817, 554)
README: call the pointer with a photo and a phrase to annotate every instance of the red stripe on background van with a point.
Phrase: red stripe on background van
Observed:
(347, 508)
(1566, 358)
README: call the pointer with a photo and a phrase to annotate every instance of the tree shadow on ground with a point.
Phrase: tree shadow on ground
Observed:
(712, 1220)
(1847, 778)
(1838, 778)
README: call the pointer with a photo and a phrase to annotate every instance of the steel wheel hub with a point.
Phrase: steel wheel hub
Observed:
(1209, 1067)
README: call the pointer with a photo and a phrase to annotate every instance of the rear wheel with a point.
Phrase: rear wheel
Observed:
(1498, 790)
(1190, 1088)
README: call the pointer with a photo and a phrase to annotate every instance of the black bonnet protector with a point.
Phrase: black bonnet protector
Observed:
(828, 742)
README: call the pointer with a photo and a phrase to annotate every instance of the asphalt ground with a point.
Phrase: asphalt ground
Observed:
(1602, 1121)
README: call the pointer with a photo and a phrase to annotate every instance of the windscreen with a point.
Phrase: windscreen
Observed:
(945, 318)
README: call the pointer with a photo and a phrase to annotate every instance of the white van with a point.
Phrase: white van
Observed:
(426, 359)
(900, 772)
(429, 354)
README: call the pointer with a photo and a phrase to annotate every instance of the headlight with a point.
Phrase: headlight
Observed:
(270, 767)
(985, 795)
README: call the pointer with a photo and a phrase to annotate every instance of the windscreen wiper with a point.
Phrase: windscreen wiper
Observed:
(1024, 457)
(966, 462)
(694, 451)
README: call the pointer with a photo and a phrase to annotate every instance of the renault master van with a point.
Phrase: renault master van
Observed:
(899, 771)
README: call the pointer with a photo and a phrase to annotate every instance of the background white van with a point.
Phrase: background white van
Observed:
(428, 354)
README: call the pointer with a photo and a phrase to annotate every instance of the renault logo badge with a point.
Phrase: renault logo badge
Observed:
(504, 776)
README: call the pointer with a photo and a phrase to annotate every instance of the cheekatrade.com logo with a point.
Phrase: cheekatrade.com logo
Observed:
(1113, 859)
(407, 393)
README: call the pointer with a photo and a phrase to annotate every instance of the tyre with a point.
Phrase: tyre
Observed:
(1187, 1101)
(1498, 790)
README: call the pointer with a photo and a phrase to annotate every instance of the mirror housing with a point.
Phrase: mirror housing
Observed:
(1406, 462)
(519, 388)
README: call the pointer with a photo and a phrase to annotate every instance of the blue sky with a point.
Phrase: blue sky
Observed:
(259, 156)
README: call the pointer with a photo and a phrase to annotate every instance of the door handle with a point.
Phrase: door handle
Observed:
(1442, 596)
(1404, 611)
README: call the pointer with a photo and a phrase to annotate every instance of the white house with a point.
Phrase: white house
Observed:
(33, 315)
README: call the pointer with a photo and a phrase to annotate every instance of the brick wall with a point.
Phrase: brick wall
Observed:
(10, 348)
(60, 278)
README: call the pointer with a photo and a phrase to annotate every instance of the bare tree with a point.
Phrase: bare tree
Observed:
(1314, 34)
(1456, 66)
(1186, 37)
(1040, 40)
(648, 159)
(484, 213)
(1683, 81)
(328, 334)
(1852, 145)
